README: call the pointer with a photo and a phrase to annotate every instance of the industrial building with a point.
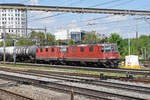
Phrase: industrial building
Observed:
(72, 34)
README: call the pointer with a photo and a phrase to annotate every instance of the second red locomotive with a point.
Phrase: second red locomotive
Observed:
(101, 55)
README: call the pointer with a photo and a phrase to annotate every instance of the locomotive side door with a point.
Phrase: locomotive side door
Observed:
(106, 51)
(62, 51)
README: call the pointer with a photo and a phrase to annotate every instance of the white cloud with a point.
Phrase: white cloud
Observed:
(116, 18)
(34, 2)
(116, 30)
(40, 19)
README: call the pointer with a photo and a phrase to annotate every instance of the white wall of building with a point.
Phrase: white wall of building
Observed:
(65, 34)
(13, 18)
(61, 35)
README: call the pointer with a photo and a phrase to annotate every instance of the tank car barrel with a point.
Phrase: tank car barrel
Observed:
(22, 52)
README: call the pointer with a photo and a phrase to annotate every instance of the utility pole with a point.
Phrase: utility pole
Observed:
(14, 54)
(136, 37)
(128, 45)
(4, 45)
(45, 42)
(145, 53)
(26, 30)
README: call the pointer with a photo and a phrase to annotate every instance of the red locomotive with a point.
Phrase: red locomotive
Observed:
(105, 55)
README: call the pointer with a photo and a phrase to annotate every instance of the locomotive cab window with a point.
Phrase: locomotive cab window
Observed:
(114, 48)
(53, 49)
(41, 50)
(90, 49)
(63, 49)
(105, 49)
(102, 49)
(46, 50)
(73, 49)
(81, 49)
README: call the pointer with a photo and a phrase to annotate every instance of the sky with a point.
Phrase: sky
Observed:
(125, 25)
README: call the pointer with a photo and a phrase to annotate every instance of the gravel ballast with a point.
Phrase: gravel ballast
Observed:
(42, 94)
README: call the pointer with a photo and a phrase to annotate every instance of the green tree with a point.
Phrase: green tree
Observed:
(144, 43)
(58, 42)
(70, 42)
(115, 38)
(34, 37)
(41, 37)
(24, 42)
(50, 39)
(91, 37)
(8, 40)
(124, 49)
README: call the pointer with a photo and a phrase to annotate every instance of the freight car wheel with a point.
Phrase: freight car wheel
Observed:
(100, 65)
(113, 65)
(89, 64)
(106, 65)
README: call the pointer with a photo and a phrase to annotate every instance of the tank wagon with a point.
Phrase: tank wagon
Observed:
(23, 53)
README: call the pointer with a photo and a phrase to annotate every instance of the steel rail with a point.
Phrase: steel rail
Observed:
(72, 9)
(141, 80)
(13, 95)
(139, 89)
(135, 72)
(66, 88)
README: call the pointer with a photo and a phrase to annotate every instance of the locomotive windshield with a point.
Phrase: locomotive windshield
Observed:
(114, 48)
(109, 48)
(105, 48)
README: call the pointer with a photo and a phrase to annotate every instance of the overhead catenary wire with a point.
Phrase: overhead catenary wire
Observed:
(58, 14)
(105, 3)
(100, 18)
(122, 3)
(111, 15)
(125, 27)
(105, 22)
(91, 19)
(48, 16)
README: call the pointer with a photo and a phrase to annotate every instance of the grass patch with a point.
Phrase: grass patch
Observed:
(146, 68)
(26, 67)
(65, 70)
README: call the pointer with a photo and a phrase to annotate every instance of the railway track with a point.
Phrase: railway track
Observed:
(133, 88)
(4, 94)
(97, 82)
(67, 88)
(141, 80)
(132, 71)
